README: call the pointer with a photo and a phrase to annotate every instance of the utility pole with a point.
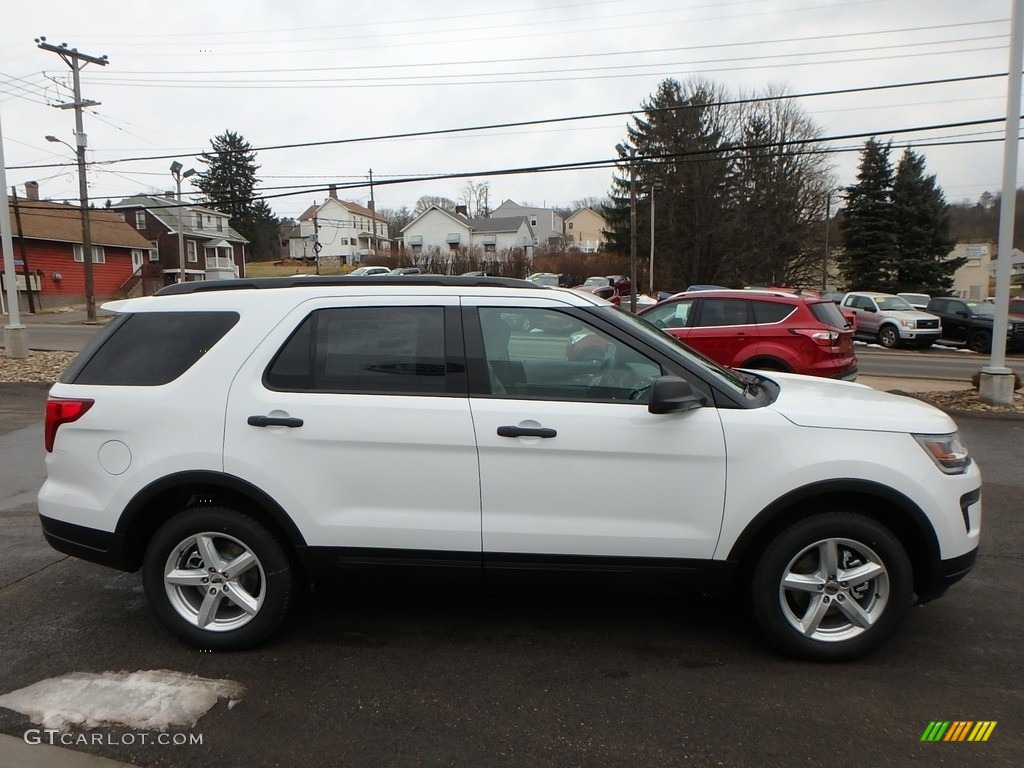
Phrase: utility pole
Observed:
(24, 254)
(373, 219)
(77, 61)
(316, 243)
(824, 258)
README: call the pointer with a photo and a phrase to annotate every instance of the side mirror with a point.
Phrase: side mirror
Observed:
(671, 394)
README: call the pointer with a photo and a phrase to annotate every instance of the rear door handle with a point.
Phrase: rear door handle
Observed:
(526, 432)
(274, 421)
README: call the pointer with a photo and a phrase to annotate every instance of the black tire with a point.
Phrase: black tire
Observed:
(980, 341)
(888, 336)
(251, 569)
(812, 618)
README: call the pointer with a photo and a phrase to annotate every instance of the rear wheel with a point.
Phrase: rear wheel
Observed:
(980, 341)
(217, 579)
(888, 336)
(831, 587)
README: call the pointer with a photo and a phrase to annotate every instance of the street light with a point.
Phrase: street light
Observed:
(632, 223)
(178, 176)
(83, 196)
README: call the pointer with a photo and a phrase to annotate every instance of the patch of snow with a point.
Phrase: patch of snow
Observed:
(143, 700)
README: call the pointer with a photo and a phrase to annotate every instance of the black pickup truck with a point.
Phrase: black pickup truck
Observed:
(969, 322)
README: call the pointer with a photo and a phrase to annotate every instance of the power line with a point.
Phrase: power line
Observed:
(548, 121)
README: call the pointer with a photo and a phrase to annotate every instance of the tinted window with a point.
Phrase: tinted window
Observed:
(771, 311)
(364, 349)
(147, 349)
(828, 313)
(715, 312)
(937, 305)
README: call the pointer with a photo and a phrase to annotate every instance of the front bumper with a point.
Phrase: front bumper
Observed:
(945, 574)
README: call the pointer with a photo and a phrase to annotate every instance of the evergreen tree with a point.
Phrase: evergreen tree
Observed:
(923, 237)
(869, 256)
(783, 194)
(229, 185)
(681, 144)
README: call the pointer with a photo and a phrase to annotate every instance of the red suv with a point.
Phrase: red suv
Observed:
(770, 330)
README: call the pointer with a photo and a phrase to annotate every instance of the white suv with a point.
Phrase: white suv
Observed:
(239, 438)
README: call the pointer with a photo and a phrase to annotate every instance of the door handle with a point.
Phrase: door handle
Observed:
(274, 421)
(526, 432)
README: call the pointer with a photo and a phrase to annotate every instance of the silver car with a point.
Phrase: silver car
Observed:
(890, 320)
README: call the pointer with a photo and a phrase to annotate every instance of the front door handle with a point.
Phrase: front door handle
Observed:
(526, 432)
(274, 421)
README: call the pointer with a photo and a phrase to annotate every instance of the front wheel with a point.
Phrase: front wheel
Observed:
(217, 579)
(888, 337)
(831, 587)
(980, 341)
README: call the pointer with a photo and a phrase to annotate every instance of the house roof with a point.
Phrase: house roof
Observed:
(502, 224)
(310, 212)
(166, 209)
(44, 220)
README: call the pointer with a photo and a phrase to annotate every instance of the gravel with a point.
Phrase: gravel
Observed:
(47, 366)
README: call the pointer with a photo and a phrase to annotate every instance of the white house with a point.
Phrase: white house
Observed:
(451, 233)
(342, 229)
(548, 227)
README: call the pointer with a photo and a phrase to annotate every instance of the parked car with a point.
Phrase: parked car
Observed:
(547, 278)
(407, 271)
(369, 271)
(480, 274)
(236, 439)
(890, 320)
(605, 291)
(971, 323)
(1016, 306)
(917, 300)
(769, 330)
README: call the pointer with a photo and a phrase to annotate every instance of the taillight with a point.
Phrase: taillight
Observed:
(60, 410)
(818, 336)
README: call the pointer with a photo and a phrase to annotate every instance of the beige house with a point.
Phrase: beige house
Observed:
(585, 230)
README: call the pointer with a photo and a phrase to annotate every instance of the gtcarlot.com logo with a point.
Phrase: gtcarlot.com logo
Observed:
(958, 730)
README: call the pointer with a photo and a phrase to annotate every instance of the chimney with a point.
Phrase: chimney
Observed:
(32, 190)
(333, 190)
(460, 210)
(170, 195)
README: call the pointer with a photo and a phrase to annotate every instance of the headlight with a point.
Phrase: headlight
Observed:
(908, 323)
(948, 453)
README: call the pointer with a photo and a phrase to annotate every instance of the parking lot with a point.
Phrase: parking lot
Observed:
(376, 675)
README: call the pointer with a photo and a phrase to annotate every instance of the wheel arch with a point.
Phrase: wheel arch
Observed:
(164, 498)
(768, 363)
(882, 504)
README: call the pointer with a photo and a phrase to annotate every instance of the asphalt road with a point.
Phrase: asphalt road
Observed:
(467, 677)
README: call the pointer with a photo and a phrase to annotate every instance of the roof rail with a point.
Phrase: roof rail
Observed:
(310, 281)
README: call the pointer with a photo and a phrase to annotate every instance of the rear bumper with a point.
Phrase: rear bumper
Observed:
(102, 547)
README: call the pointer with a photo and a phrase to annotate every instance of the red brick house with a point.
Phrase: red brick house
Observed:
(48, 237)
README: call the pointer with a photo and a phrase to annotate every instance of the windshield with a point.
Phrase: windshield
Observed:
(893, 303)
(656, 337)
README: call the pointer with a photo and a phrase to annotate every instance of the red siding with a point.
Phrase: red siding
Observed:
(52, 257)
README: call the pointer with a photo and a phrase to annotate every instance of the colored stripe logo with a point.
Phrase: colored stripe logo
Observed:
(958, 730)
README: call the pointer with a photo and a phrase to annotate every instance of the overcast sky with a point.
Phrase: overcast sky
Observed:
(325, 71)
